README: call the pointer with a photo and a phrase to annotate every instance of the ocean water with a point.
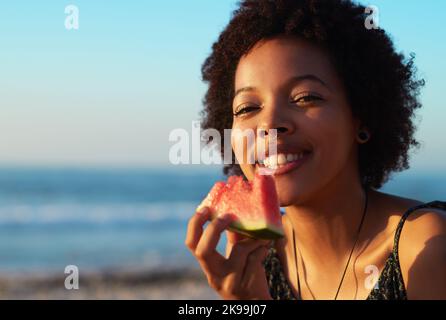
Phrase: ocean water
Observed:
(118, 219)
(96, 219)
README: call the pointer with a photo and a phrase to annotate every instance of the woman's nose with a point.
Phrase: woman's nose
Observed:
(276, 118)
(280, 130)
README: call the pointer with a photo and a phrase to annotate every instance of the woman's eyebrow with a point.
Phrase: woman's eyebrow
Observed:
(307, 77)
(244, 89)
(292, 80)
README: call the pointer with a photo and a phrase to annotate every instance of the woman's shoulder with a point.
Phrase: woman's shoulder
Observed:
(421, 248)
(411, 211)
(419, 231)
(415, 215)
(423, 227)
(413, 222)
(422, 253)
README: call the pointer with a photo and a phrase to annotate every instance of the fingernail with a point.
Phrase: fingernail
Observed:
(202, 211)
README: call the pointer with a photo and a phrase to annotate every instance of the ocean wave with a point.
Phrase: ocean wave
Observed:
(95, 213)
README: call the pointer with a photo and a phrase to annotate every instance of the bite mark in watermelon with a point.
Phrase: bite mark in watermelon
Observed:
(254, 204)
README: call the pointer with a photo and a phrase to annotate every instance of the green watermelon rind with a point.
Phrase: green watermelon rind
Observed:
(261, 232)
(267, 233)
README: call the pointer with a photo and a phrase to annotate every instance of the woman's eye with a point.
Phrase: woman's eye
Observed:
(307, 99)
(245, 109)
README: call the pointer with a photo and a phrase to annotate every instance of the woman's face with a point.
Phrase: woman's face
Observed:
(290, 85)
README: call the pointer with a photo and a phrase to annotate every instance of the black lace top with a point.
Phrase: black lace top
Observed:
(390, 285)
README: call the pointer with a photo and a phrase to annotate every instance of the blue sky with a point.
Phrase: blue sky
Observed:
(109, 93)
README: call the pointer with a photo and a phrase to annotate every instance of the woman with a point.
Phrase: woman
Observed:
(341, 97)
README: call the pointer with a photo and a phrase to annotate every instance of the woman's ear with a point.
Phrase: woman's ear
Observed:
(362, 133)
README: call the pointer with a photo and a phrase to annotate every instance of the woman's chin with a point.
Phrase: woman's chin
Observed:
(289, 194)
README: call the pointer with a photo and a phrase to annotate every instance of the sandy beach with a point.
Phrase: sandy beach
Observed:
(164, 285)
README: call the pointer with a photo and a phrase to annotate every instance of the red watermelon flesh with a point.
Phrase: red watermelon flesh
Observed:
(254, 204)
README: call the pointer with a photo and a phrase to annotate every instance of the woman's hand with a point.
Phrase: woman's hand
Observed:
(239, 275)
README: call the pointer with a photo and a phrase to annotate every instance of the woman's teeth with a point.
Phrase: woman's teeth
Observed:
(278, 160)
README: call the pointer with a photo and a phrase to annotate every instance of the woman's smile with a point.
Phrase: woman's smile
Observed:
(282, 163)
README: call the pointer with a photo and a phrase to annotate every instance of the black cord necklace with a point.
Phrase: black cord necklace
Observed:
(349, 258)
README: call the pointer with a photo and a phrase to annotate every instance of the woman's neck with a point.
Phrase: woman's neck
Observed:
(326, 227)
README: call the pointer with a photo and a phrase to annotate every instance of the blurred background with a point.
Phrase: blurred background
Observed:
(85, 116)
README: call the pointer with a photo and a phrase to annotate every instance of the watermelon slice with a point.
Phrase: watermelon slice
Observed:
(254, 204)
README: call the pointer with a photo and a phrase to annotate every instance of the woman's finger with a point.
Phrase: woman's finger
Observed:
(238, 256)
(206, 251)
(242, 249)
(244, 239)
(233, 237)
(195, 228)
(254, 267)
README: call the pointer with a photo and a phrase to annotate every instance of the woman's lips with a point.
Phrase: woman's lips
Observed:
(283, 169)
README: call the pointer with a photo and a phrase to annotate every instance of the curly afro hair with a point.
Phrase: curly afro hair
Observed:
(381, 84)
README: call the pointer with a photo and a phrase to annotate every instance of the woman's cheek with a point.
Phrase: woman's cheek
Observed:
(333, 149)
(243, 144)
